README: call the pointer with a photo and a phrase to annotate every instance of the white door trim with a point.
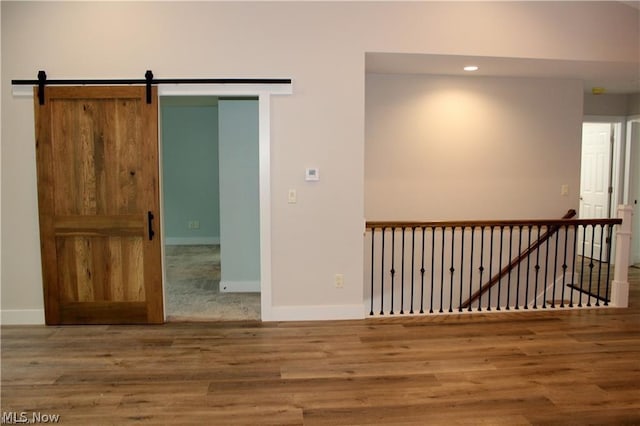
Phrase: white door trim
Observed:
(264, 93)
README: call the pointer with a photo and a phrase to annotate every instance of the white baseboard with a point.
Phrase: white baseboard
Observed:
(22, 317)
(278, 313)
(315, 313)
(239, 286)
(191, 241)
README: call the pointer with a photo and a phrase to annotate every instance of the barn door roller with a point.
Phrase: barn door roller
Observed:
(42, 79)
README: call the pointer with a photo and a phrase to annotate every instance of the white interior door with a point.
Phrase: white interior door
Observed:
(595, 186)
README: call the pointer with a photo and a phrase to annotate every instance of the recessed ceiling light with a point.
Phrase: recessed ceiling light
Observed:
(471, 68)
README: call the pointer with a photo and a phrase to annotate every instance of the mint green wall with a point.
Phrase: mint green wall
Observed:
(239, 193)
(190, 169)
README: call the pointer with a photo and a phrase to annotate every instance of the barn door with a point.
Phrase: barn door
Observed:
(97, 161)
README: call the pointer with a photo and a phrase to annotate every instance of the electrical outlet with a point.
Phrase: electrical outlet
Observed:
(339, 280)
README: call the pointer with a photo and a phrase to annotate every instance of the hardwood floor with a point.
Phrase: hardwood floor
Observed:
(560, 367)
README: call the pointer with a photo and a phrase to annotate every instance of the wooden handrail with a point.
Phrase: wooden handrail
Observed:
(489, 223)
(552, 229)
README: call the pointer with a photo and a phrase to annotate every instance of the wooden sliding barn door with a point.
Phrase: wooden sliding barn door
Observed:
(97, 161)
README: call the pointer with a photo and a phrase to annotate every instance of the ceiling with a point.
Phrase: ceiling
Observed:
(615, 77)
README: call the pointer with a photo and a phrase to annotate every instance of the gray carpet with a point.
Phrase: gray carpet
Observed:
(191, 288)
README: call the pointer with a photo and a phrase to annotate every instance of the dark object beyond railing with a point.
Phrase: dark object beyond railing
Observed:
(438, 266)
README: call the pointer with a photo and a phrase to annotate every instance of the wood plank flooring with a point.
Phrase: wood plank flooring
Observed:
(560, 367)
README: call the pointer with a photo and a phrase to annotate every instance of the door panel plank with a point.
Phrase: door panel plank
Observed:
(131, 225)
(115, 274)
(84, 267)
(97, 179)
(104, 312)
(68, 273)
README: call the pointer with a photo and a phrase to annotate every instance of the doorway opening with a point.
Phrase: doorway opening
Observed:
(599, 183)
(210, 198)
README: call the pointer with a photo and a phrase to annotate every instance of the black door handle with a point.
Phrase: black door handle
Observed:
(150, 222)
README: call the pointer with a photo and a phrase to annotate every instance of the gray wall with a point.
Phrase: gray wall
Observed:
(190, 172)
(613, 104)
(239, 202)
(633, 104)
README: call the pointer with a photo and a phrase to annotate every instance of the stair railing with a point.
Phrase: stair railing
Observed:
(419, 267)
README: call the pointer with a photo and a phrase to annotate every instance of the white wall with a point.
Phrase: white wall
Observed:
(239, 205)
(442, 148)
(321, 46)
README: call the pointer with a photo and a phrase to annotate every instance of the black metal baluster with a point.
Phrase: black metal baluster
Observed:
(519, 263)
(402, 275)
(510, 272)
(481, 268)
(591, 265)
(413, 265)
(372, 265)
(422, 270)
(609, 243)
(442, 271)
(555, 269)
(393, 266)
(600, 264)
(491, 271)
(499, 270)
(584, 241)
(526, 292)
(546, 271)
(473, 233)
(573, 263)
(421, 277)
(433, 254)
(452, 269)
(461, 267)
(507, 307)
(564, 265)
(382, 274)
(537, 268)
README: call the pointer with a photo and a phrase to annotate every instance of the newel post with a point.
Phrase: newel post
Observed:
(620, 284)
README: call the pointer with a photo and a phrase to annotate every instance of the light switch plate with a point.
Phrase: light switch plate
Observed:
(292, 196)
